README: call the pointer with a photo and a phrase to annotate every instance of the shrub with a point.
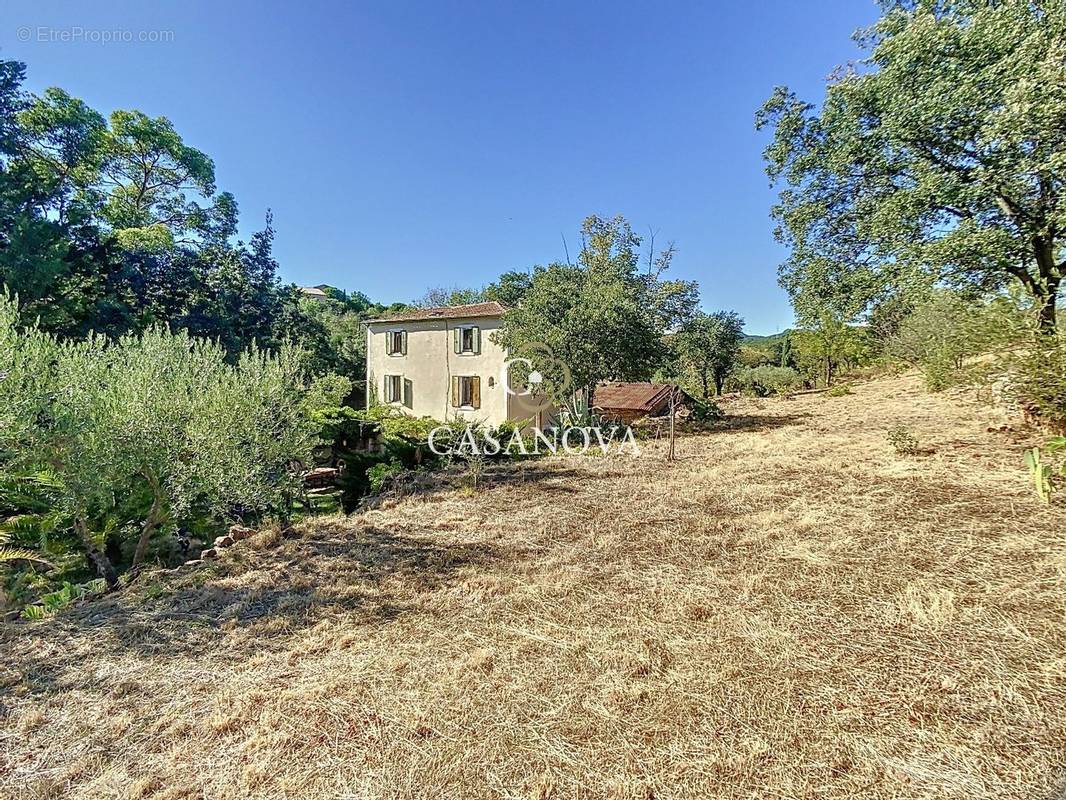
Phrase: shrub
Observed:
(766, 380)
(947, 329)
(381, 473)
(838, 390)
(1040, 380)
(903, 441)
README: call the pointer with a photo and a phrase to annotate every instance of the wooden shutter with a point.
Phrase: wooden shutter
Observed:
(455, 391)
(475, 392)
(403, 343)
(477, 339)
(387, 393)
(457, 339)
(408, 393)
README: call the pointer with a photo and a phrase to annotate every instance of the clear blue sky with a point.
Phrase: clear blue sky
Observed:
(403, 145)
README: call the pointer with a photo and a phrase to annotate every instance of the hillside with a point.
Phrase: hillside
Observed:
(792, 610)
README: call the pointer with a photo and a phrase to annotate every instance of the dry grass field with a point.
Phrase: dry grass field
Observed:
(790, 611)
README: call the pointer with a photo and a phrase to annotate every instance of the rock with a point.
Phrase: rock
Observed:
(208, 554)
(223, 541)
(237, 533)
(192, 562)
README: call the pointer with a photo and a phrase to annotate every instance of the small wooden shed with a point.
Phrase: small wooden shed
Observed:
(628, 402)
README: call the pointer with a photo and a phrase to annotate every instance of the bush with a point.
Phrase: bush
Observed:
(116, 447)
(1040, 381)
(765, 380)
(379, 475)
(947, 329)
(903, 441)
(838, 390)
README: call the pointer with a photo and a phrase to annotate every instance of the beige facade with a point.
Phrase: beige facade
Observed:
(446, 368)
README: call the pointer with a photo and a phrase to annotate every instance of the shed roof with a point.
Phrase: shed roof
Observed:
(489, 309)
(632, 396)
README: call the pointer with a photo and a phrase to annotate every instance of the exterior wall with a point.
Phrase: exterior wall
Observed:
(430, 363)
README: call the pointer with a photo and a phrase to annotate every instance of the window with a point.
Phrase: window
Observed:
(398, 390)
(466, 391)
(396, 343)
(467, 340)
(393, 388)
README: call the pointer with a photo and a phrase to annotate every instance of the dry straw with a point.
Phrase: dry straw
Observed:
(791, 610)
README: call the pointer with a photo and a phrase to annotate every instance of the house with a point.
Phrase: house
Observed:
(628, 402)
(442, 363)
(315, 293)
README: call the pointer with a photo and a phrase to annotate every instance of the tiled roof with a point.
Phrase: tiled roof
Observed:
(632, 396)
(490, 309)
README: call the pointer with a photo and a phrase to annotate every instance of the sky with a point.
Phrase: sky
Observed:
(408, 145)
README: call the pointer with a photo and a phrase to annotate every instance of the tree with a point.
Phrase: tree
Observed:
(595, 319)
(708, 348)
(449, 296)
(147, 173)
(509, 288)
(147, 433)
(943, 151)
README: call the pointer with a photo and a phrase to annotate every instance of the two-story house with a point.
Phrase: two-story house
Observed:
(442, 363)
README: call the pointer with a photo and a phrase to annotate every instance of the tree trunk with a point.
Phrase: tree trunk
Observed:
(706, 386)
(828, 371)
(719, 384)
(1047, 319)
(1046, 290)
(155, 517)
(104, 568)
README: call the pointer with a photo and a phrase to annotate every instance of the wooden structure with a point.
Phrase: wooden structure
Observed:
(629, 402)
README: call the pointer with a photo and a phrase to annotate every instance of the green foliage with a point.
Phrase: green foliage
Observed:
(325, 393)
(1039, 374)
(115, 225)
(600, 319)
(53, 602)
(125, 442)
(903, 441)
(765, 380)
(938, 157)
(380, 474)
(946, 329)
(838, 390)
(826, 348)
(707, 349)
(1046, 474)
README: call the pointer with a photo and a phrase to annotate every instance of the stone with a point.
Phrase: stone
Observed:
(208, 554)
(223, 541)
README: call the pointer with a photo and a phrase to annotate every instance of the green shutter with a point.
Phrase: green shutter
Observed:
(477, 339)
(403, 343)
(457, 339)
(408, 393)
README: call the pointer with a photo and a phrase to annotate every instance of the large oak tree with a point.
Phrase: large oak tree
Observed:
(943, 151)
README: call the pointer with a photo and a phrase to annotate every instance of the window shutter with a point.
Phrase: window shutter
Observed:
(457, 339)
(403, 343)
(408, 393)
(455, 391)
(475, 392)
(477, 339)
(387, 392)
